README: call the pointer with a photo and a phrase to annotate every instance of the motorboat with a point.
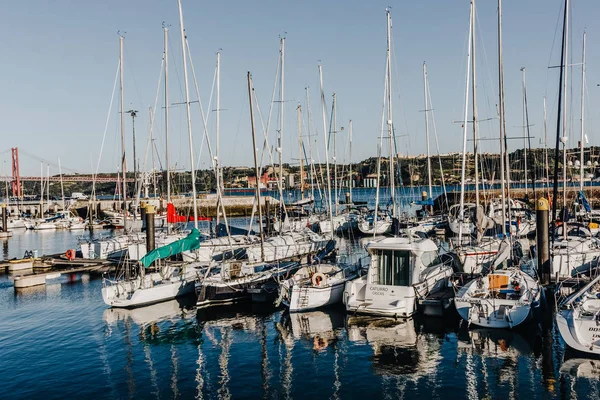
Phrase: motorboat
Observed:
(401, 270)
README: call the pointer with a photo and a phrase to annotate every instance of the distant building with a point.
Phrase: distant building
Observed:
(370, 180)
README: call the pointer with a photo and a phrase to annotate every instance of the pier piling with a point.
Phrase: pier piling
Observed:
(149, 215)
(543, 249)
(4, 219)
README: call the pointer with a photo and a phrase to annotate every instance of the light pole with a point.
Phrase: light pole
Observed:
(133, 114)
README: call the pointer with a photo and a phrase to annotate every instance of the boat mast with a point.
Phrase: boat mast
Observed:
(62, 188)
(464, 149)
(581, 144)
(166, 50)
(559, 113)
(326, 149)
(299, 111)
(389, 119)
(123, 159)
(565, 138)
(525, 129)
(218, 133)
(350, 166)
(427, 129)
(311, 168)
(280, 137)
(475, 121)
(189, 120)
(335, 175)
(256, 171)
(546, 151)
(503, 176)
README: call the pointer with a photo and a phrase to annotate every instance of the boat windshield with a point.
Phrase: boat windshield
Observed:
(393, 267)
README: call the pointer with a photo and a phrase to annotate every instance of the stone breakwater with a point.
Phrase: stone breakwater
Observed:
(235, 206)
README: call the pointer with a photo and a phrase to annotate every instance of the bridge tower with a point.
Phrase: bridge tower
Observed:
(17, 190)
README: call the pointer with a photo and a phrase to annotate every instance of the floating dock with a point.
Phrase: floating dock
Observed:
(53, 267)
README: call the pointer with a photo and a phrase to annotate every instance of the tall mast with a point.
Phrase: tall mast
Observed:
(562, 74)
(166, 50)
(565, 99)
(427, 129)
(335, 176)
(464, 149)
(256, 171)
(502, 125)
(218, 133)
(581, 170)
(299, 110)
(189, 119)
(350, 167)
(123, 159)
(547, 166)
(326, 149)
(525, 128)
(280, 138)
(389, 119)
(474, 90)
(311, 168)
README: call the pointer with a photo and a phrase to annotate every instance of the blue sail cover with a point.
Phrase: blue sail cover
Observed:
(581, 198)
(190, 242)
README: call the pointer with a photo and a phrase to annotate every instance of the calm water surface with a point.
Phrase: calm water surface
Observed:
(60, 340)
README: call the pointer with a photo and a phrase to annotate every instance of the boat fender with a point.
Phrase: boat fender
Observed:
(70, 254)
(318, 279)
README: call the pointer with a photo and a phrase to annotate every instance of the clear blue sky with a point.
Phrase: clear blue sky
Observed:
(60, 57)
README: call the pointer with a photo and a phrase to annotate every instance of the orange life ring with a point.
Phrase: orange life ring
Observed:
(70, 254)
(318, 279)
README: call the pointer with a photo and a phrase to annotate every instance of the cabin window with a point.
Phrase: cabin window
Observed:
(430, 258)
(393, 268)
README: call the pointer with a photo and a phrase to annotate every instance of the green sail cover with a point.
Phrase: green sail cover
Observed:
(190, 242)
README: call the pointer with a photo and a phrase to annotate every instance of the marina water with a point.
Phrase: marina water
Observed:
(60, 340)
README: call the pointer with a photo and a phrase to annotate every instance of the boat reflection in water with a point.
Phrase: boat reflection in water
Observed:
(321, 327)
(398, 348)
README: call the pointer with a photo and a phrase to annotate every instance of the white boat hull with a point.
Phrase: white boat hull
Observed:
(127, 294)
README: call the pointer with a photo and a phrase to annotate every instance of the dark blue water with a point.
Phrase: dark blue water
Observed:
(60, 341)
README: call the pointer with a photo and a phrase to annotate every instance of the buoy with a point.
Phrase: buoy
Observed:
(318, 279)
(70, 254)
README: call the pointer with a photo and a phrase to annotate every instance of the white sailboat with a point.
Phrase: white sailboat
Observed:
(578, 319)
(316, 286)
(501, 299)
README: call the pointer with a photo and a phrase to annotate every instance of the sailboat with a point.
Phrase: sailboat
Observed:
(505, 298)
(569, 252)
(167, 282)
(316, 285)
(379, 222)
(578, 319)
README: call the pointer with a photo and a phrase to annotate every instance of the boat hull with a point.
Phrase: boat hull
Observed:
(315, 297)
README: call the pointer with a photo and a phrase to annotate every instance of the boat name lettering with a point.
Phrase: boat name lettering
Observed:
(378, 289)
(592, 329)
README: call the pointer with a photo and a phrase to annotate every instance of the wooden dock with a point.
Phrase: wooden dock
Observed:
(54, 266)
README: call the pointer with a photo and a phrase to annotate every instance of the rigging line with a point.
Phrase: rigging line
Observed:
(209, 111)
(267, 129)
(150, 136)
(179, 80)
(437, 144)
(130, 70)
